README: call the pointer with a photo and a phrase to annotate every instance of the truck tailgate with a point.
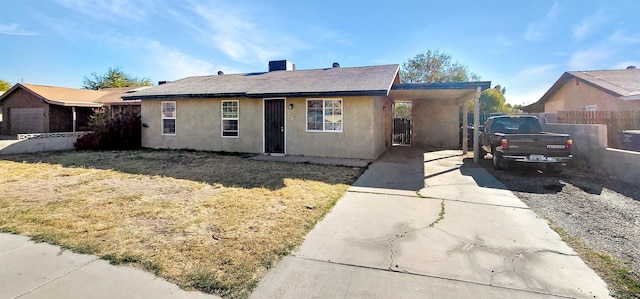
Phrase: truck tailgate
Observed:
(547, 144)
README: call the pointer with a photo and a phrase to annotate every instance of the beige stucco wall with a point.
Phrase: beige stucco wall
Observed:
(575, 95)
(360, 136)
(198, 127)
(435, 124)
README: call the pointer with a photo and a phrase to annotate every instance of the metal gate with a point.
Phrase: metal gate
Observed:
(274, 126)
(401, 131)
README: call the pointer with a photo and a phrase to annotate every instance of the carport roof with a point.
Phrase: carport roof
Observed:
(447, 91)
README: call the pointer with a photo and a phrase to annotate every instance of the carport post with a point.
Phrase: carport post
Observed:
(465, 120)
(73, 112)
(476, 126)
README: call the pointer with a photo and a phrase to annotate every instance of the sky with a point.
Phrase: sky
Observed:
(523, 45)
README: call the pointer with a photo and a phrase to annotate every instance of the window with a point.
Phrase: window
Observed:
(168, 118)
(230, 115)
(324, 115)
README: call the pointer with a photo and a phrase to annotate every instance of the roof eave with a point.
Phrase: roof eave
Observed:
(443, 85)
(182, 96)
(345, 93)
(73, 104)
(261, 95)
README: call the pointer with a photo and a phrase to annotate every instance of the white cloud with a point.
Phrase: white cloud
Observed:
(503, 41)
(108, 9)
(173, 63)
(537, 30)
(588, 23)
(620, 36)
(526, 97)
(587, 59)
(238, 35)
(14, 29)
(625, 64)
(534, 73)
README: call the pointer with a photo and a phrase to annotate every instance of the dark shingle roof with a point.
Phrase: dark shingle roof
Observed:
(368, 80)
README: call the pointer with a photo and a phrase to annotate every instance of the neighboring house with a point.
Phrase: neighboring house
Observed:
(609, 90)
(30, 108)
(333, 112)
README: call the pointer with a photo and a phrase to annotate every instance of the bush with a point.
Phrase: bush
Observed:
(122, 131)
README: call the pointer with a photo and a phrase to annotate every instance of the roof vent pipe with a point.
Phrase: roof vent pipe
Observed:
(335, 65)
(631, 67)
(220, 73)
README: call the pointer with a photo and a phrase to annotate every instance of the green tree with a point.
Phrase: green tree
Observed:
(402, 110)
(492, 100)
(435, 66)
(4, 85)
(113, 78)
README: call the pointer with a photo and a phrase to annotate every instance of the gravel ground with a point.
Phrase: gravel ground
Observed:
(602, 211)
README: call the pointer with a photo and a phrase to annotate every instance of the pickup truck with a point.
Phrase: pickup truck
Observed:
(521, 139)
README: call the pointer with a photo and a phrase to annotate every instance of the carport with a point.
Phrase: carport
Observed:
(436, 108)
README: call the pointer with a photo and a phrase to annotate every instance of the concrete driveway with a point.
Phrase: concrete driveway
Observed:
(431, 225)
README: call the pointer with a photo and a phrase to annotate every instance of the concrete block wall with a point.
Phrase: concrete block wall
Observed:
(36, 145)
(590, 152)
(589, 142)
(622, 164)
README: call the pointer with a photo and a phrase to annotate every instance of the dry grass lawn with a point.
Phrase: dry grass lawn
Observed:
(205, 221)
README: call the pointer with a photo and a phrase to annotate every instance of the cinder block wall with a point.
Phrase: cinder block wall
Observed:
(591, 153)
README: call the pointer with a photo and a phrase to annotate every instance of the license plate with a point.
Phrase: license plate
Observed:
(536, 157)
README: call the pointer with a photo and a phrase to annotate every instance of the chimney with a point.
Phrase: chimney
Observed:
(631, 67)
(162, 82)
(281, 65)
(220, 73)
(335, 65)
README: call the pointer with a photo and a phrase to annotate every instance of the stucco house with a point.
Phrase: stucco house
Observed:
(607, 90)
(341, 112)
(31, 108)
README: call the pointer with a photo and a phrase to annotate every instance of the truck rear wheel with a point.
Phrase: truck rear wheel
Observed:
(498, 162)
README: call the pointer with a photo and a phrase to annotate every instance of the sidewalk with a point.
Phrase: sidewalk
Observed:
(430, 225)
(38, 270)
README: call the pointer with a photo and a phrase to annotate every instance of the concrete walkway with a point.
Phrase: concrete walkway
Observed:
(38, 270)
(431, 225)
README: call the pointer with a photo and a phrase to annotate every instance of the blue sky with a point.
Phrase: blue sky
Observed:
(523, 45)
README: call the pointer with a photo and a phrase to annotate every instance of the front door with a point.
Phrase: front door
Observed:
(274, 126)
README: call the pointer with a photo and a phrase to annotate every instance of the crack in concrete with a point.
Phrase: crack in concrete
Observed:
(514, 256)
(57, 277)
(405, 233)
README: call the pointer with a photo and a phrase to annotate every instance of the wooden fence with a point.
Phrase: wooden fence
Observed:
(616, 121)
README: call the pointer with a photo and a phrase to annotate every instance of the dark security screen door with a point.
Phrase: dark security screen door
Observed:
(274, 126)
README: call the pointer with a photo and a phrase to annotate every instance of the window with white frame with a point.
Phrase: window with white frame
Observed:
(230, 116)
(324, 115)
(168, 118)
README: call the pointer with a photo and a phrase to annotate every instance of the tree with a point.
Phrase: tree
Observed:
(402, 110)
(4, 85)
(113, 78)
(435, 66)
(492, 100)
